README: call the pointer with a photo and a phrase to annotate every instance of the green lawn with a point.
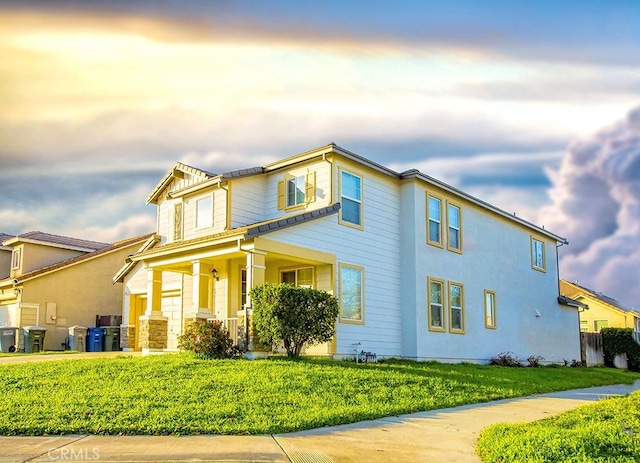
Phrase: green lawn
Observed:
(180, 394)
(607, 431)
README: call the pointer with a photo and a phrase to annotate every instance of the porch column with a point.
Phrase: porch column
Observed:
(201, 285)
(256, 269)
(153, 325)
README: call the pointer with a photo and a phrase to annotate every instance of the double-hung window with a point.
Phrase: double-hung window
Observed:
(351, 294)
(436, 304)
(296, 191)
(204, 212)
(351, 199)
(454, 223)
(456, 308)
(434, 214)
(538, 261)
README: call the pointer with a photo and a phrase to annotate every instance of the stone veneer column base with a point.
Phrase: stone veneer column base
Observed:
(153, 333)
(127, 337)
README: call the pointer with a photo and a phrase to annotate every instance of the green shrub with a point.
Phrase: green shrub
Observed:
(296, 316)
(208, 339)
(617, 341)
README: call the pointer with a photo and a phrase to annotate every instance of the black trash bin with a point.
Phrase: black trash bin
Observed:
(111, 338)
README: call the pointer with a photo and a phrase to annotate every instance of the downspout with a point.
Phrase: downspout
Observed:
(227, 224)
(562, 243)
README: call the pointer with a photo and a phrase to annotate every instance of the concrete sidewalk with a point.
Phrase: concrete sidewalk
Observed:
(17, 358)
(447, 435)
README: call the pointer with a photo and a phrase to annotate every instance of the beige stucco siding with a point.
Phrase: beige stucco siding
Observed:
(36, 256)
(80, 292)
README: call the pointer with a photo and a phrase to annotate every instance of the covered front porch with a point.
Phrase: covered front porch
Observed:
(213, 282)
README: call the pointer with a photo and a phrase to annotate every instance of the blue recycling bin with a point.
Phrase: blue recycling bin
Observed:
(94, 339)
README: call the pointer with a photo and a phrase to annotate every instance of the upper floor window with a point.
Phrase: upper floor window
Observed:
(599, 324)
(436, 304)
(456, 308)
(15, 258)
(538, 261)
(351, 294)
(351, 199)
(295, 192)
(454, 223)
(204, 212)
(298, 277)
(434, 214)
(296, 189)
(489, 309)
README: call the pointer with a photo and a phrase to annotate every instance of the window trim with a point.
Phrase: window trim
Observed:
(296, 269)
(437, 244)
(595, 326)
(16, 258)
(360, 201)
(443, 304)
(494, 310)
(294, 178)
(197, 200)
(544, 255)
(453, 330)
(449, 227)
(352, 321)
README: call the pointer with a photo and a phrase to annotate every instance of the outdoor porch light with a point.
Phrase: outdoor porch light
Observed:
(214, 272)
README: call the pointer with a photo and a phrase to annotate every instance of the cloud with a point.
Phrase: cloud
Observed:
(596, 204)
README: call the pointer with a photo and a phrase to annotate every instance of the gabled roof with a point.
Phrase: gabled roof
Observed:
(76, 260)
(177, 171)
(609, 301)
(59, 241)
(3, 238)
(246, 232)
(129, 264)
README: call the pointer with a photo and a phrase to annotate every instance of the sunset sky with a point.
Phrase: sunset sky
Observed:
(527, 105)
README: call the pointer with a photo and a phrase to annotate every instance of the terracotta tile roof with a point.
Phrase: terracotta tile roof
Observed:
(104, 250)
(62, 240)
(4, 237)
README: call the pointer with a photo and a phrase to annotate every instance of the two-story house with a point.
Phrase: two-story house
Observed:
(603, 311)
(57, 282)
(421, 269)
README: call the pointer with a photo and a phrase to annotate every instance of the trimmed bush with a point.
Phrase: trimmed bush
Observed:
(296, 316)
(617, 341)
(207, 339)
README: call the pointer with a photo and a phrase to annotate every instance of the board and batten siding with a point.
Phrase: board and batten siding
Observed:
(219, 220)
(496, 256)
(375, 248)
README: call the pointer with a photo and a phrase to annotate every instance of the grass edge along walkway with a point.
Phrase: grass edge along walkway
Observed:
(606, 431)
(180, 394)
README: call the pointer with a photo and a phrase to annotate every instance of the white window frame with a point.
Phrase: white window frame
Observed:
(358, 201)
(452, 329)
(438, 243)
(535, 264)
(437, 304)
(451, 227)
(16, 258)
(209, 220)
(490, 310)
(299, 184)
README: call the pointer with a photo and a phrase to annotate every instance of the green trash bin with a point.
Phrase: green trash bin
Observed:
(34, 339)
(8, 339)
(111, 338)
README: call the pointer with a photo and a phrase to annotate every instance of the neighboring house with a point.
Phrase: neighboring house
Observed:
(603, 311)
(57, 282)
(5, 256)
(421, 270)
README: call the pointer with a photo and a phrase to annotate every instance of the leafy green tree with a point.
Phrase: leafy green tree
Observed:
(296, 316)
